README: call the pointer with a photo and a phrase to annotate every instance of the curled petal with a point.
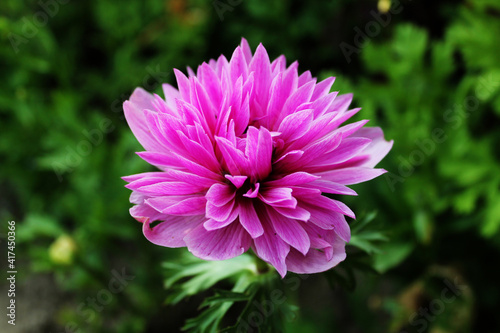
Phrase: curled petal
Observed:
(178, 205)
(315, 260)
(220, 194)
(220, 244)
(378, 148)
(172, 231)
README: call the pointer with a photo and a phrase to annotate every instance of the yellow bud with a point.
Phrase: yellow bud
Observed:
(384, 6)
(61, 251)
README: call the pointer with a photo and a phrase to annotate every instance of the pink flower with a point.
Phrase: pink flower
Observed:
(246, 150)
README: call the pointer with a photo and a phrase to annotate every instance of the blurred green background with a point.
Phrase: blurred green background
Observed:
(427, 72)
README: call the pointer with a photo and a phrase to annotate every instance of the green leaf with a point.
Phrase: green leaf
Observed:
(391, 255)
(37, 225)
(366, 239)
(203, 274)
(224, 296)
(258, 292)
(342, 276)
(423, 226)
(442, 58)
(491, 224)
(208, 320)
(261, 303)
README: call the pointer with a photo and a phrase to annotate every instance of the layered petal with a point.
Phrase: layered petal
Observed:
(171, 232)
(316, 260)
(220, 244)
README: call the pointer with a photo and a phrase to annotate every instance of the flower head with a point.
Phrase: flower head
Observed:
(247, 149)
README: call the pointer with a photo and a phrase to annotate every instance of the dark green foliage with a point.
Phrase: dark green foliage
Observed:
(430, 78)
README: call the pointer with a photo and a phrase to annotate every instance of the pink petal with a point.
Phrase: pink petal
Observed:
(249, 219)
(237, 181)
(347, 149)
(288, 158)
(221, 213)
(212, 224)
(278, 196)
(321, 105)
(168, 188)
(378, 148)
(349, 176)
(322, 88)
(146, 175)
(276, 100)
(201, 101)
(279, 64)
(209, 79)
(297, 178)
(261, 67)
(190, 178)
(160, 159)
(330, 187)
(271, 248)
(320, 128)
(341, 103)
(335, 205)
(296, 124)
(171, 94)
(234, 158)
(247, 52)
(321, 239)
(242, 116)
(253, 192)
(221, 65)
(144, 213)
(220, 194)
(340, 118)
(283, 86)
(179, 205)
(319, 148)
(259, 150)
(191, 114)
(171, 232)
(326, 216)
(349, 129)
(300, 191)
(297, 213)
(183, 84)
(305, 78)
(200, 154)
(290, 231)
(161, 106)
(198, 169)
(220, 244)
(315, 261)
(300, 96)
(133, 109)
(238, 65)
(163, 128)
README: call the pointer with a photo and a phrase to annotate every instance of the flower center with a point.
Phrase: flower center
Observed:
(248, 188)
